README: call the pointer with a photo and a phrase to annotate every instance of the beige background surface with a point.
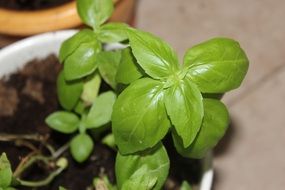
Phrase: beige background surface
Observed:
(252, 155)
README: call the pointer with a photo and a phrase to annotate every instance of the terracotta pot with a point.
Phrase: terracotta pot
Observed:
(41, 46)
(24, 23)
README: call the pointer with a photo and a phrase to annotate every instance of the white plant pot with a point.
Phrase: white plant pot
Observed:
(13, 57)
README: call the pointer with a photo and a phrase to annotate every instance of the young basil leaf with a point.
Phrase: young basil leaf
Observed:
(82, 62)
(113, 32)
(156, 163)
(91, 88)
(108, 63)
(154, 55)
(79, 107)
(214, 126)
(68, 92)
(5, 172)
(140, 180)
(217, 65)
(81, 147)
(94, 12)
(101, 110)
(139, 118)
(185, 186)
(63, 121)
(184, 106)
(128, 69)
(61, 188)
(72, 43)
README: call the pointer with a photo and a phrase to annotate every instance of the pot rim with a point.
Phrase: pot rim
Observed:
(49, 43)
(24, 23)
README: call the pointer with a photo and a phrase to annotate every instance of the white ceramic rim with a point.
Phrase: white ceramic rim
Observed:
(16, 55)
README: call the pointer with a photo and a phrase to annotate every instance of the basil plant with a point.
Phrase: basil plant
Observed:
(149, 95)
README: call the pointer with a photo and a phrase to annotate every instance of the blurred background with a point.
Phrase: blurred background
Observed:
(251, 155)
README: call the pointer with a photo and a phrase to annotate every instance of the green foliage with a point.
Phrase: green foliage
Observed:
(148, 169)
(108, 66)
(68, 92)
(63, 121)
(5, 172)
(155, 56)
(101, 110)
(214, 126)
(94, 12)
(128, 70)
(91, 88)
(113, 32)
(81, 147)
(137, 113)
(216, 66)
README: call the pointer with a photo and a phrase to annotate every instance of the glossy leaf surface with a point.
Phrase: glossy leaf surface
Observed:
(113, 32)
(214, 126)
(155, 56)
(139, 119)
(185, 108)
(217, 65)
(5, 172)
(94, 12)
(151, 164)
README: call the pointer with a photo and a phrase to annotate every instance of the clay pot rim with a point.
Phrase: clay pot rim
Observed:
(25, 23)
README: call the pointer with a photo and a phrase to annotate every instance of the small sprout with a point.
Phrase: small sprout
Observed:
(62, 163)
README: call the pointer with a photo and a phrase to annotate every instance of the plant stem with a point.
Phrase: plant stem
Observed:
(11, 137)
(61, 150)
(43, 182)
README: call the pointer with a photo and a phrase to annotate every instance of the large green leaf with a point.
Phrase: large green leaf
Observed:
(108, 63)
(81, 147)
(5, 172)
(63, 121)
(151, 164)
(139, 119)
(94, 12)
(82, 62)
(154, 55)
(128, 69)
(101, 110)
(184, 106)
(91, 88)
(68, 92)
(113, 32)
(217, 65)
(72, 43)
(214, 126)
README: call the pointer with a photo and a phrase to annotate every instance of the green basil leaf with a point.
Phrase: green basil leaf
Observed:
(80, 107)
(91, 88)
(217, 65)
(101, 110)
(139, 119)
(63, 121)
(113, 32)
(108, 62)
(184, 106)
(214, 126)
(5, 171)
(151, 164)
(81, 147)
(82, 62)
(68, 92)
(185, 186)
(72, 43)
(94, 12)
(154, 55)
(128, 69)
(140, 180)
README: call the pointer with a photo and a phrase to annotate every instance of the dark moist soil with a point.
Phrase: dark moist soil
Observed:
(30, 4)
(27, 97)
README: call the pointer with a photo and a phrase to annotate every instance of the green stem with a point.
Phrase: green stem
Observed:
(43, 182)
(60, 151)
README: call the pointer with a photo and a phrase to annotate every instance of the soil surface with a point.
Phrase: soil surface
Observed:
(27, 97)
(31, 4)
